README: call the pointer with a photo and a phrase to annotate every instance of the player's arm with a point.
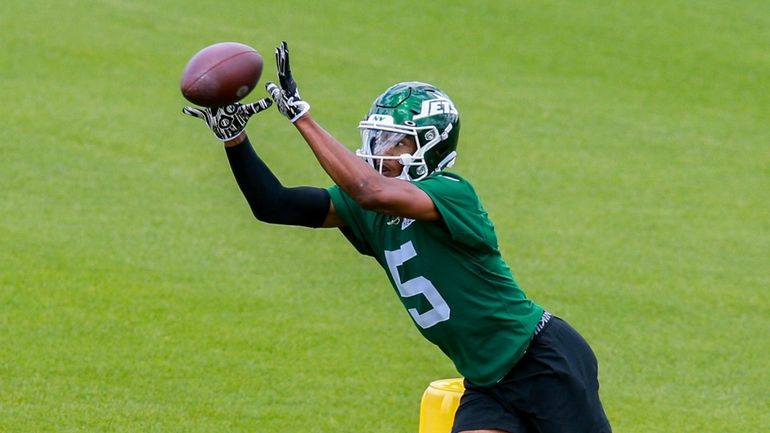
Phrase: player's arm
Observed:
(361, 182)
(270, 201)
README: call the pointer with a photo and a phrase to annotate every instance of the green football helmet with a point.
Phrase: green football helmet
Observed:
(414, 109)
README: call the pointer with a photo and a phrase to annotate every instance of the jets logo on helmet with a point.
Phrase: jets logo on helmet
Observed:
(421, 111)
(435, 107)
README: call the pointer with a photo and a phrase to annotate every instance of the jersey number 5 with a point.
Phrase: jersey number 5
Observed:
(417, 286)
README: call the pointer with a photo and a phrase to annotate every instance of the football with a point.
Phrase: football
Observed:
(221, 74)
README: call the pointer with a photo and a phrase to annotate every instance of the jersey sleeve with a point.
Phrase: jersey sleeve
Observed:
(353, 215)
(460, 209)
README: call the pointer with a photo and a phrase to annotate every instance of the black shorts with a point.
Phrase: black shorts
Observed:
(553, 388)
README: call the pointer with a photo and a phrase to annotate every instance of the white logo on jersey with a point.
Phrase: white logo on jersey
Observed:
(396, 220)
(433, 107)
(406, 223)
(393, 221)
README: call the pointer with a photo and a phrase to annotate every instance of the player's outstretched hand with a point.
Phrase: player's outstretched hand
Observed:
(286, 97)
(229, 121)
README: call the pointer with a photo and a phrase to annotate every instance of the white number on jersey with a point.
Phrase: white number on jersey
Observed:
(416, 286)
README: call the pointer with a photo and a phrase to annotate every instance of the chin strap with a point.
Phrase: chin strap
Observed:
(406, 160)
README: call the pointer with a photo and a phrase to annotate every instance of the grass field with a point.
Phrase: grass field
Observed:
(622, 148)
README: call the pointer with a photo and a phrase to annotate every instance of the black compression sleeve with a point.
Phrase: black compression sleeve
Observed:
(269, 200)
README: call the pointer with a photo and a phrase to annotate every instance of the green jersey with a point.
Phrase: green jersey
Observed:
(450, 276)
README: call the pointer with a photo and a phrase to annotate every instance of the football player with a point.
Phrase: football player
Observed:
(524, 369)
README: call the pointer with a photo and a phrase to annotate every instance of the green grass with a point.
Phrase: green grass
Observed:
(621, 148)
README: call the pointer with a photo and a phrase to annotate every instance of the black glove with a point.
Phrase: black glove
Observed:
(229, 121)
(287, 96)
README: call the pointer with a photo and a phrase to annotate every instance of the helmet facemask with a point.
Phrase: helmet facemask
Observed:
(378, 142)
